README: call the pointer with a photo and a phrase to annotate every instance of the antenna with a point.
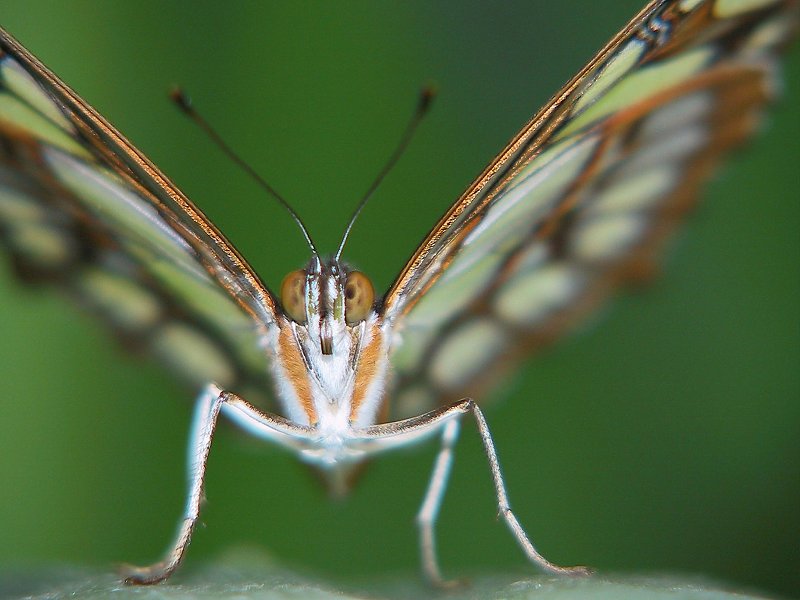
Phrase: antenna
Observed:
(426, 96)
(184, 103)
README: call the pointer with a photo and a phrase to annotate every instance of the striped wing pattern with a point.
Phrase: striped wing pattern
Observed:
(578, 202)
(585, 195)
(81, 206)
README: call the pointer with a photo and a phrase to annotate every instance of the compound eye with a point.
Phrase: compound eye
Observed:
(293, 295)
(358, 297)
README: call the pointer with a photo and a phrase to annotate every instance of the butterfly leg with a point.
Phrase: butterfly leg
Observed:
(429, 510)
(504, 509)
(428, 513)
(205, 419)
(211, 401)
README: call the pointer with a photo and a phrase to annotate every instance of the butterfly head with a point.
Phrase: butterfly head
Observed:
(328, 300)
(331, 350)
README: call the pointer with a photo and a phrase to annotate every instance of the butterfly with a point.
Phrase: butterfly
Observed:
(576, 204)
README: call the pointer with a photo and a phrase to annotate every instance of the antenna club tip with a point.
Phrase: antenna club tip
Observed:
(426, 96)
(181, 99)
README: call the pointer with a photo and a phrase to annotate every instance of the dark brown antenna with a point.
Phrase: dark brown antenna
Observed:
(184, 103)
(426, 96)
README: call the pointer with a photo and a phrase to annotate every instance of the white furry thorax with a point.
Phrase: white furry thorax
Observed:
(330, 375)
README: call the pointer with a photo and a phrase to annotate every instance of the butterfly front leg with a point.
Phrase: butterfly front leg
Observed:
(209, 403)
(432, 502)
(429, 510)
(207, 409)
(504, 508)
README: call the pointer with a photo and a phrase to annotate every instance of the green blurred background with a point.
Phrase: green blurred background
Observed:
(666, 437)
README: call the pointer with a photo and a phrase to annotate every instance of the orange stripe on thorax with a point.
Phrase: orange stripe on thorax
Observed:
(295, 368)
(366, 369)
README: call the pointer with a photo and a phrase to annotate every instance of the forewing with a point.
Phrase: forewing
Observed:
(583, 198)
(80, 206)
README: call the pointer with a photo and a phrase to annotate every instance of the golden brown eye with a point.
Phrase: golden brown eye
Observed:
(293, 295)
(358, 297)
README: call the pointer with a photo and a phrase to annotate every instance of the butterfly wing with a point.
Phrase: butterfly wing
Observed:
(79, 205)
(584, 196)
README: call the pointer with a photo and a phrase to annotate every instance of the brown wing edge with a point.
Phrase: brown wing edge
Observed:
(85, 117)
(544, 122)
(643, 262)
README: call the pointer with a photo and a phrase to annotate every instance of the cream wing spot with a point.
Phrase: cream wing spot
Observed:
(465, 352)
(16, 206)
(606, 238)
(44, 244)
(409, 348)
(127, 304)
(689, 5)
(725, 9)
(193, 354)
(531, 296)
(634, 192)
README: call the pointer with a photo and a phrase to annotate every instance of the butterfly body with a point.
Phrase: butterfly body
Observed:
(578, 203)
(330, 369)
(322, 357)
